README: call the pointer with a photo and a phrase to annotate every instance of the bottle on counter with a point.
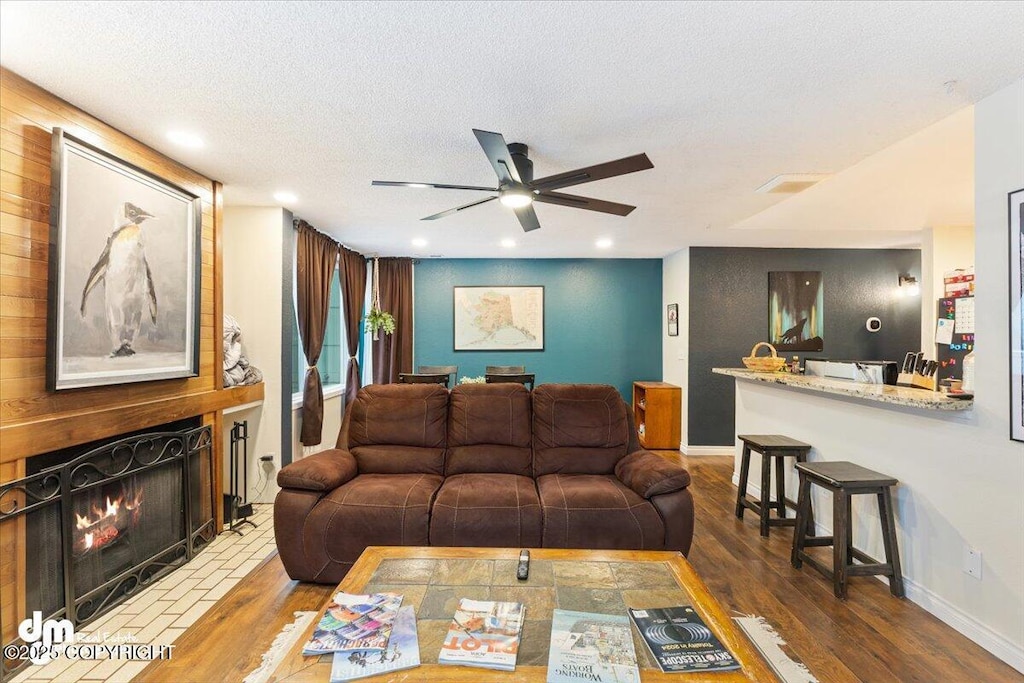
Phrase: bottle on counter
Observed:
(968, 366)
(794, 366)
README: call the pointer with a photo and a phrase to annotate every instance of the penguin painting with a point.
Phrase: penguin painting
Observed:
(128, 282)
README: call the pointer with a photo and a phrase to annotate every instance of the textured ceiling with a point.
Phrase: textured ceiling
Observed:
(322, 98)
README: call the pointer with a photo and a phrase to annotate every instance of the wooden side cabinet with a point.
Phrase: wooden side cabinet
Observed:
(657, 414)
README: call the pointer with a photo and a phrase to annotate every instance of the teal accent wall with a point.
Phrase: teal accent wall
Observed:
(603, 318)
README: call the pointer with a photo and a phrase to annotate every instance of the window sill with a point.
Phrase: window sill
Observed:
(329, 392)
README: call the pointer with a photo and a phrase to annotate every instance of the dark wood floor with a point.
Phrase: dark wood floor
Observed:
(872, 637)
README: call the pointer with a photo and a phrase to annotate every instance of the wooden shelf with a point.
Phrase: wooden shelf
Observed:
(657, 414)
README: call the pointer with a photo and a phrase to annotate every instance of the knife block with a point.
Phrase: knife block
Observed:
(906, 379)
(921, 382)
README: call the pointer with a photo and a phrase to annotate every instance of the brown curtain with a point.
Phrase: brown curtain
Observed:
(353, 294)
(316, 256)
(392, 353)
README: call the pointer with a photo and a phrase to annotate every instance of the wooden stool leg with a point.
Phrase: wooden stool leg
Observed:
(744, 474)
(803, 514)
(892, 551)
(840, 542)
(802, 457)
(766, 492)
(780, 485)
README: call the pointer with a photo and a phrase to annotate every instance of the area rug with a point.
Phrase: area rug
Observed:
(767, 640)
(280, 647)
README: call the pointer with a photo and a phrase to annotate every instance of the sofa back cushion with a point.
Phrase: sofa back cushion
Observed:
(578, 429)
(398, 428)
(489, 430)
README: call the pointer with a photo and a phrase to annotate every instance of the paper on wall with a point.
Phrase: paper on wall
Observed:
(965, 315)
(944, 331)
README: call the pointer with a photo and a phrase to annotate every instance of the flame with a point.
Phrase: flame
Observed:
(102, 523)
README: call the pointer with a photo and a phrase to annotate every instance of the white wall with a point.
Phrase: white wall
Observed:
(252, 295)
(675, 287)
(942, 249)
(333, 407)
(960, 475)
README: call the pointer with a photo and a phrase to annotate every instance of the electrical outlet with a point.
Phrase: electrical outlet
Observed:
(972, 562)
(268, 461)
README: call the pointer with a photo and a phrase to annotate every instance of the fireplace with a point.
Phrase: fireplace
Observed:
(98, 524)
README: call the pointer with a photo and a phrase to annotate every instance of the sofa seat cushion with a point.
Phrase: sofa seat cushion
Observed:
(372, 509)
(597, 511)
(482, 510)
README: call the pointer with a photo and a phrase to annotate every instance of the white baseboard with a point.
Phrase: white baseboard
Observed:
(935, 604)
(707, 450)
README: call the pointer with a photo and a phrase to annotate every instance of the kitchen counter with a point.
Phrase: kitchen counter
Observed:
(882, 393)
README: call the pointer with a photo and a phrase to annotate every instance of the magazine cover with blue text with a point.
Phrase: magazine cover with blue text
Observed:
(355, 622)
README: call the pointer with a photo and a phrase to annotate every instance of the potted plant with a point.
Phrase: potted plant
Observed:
(379, 321)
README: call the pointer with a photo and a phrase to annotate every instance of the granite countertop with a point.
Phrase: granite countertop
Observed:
(883, 393)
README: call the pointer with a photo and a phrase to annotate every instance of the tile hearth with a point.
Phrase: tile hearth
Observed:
(161, 613)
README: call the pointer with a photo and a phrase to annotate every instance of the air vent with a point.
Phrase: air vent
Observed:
(791, 183)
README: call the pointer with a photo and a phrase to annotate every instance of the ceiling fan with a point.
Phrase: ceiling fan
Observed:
(518, 190)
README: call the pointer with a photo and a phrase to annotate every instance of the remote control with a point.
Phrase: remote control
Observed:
(523, 570)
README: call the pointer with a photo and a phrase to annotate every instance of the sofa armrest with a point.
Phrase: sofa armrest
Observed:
(651, 475)
(323, 471)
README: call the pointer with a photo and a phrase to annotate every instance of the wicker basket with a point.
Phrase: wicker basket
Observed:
(757, 363)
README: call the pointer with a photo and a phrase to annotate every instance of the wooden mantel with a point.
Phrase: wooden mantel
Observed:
(25, 439)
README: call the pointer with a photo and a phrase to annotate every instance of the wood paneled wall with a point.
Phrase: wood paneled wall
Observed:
(33, 420)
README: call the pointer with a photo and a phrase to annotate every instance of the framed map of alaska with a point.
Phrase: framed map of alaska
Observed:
(499, 318)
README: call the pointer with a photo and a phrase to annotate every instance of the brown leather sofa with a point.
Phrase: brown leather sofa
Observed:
(482, 465)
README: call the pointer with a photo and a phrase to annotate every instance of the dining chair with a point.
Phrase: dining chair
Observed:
(423, 378)
(498, 378)
(505, 369)
(451, 370)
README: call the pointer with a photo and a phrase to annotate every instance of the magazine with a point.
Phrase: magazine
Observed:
(355, 622)
(591, 647)
(402, 652)
(484, 634)
(679, 640)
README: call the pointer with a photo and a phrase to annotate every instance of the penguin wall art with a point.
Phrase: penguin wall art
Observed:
(127, 287)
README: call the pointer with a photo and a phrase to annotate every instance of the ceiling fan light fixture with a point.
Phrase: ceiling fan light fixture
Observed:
(516, 199)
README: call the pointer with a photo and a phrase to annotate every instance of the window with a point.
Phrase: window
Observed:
(333, 358)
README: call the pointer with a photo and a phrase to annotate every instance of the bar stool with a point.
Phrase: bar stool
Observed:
(771, 447)
(845, 479)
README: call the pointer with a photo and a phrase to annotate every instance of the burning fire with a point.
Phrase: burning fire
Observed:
(101, 526)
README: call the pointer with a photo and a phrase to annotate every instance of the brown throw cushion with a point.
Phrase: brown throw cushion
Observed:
(597, 511)
(486, 510)
(651, 475)
(323, 471)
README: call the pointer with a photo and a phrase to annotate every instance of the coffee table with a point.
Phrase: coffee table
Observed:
(608, 581)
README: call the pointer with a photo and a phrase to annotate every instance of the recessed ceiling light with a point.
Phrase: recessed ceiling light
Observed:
(416, 185)
(604, 243)
(285, 197)
(190, 140)
(508, 244)
(419, 242)
(791, 183)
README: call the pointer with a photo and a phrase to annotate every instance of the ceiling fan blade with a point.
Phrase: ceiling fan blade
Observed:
(498, 154)
(440, 186)
(609, 169)
(449, 212)
(587, 203)
(527, 218)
